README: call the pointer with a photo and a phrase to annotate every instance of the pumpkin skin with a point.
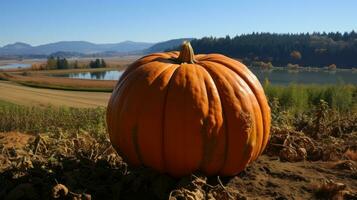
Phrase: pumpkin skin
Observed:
(178, 113)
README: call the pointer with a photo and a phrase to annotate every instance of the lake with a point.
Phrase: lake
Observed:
(284, 77)
(15, 66)
(275, 76)
(104, 75)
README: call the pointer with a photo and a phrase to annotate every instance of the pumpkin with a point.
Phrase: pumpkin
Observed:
(179, 113)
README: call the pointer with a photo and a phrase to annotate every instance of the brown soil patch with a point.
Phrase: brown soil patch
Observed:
(84, 166)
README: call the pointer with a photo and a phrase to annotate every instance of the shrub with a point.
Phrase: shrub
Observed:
(292, 66)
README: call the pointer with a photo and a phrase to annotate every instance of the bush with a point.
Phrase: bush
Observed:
(293, 66)
(263, 65)
(332, 67)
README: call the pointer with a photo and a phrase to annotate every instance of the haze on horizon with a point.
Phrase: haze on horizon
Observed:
(37, 22)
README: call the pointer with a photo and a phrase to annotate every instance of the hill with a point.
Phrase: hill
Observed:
(82, 47)
(166, 45)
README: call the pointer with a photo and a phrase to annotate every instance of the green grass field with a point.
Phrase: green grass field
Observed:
(301, 98)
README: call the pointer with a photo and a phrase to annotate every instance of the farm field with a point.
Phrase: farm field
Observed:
(59, 83)
(47, 150)
(50, 152)
(119, 62)
(31, 96)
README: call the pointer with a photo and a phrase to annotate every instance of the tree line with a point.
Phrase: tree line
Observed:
(62, 63)
(303, 49)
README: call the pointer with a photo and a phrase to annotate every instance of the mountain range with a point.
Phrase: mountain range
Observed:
(84, 47)
(166, 45)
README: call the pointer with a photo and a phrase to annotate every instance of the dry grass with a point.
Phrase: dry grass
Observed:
(26, 61)
(30, 96)
(112, 62)
(67, 71)
(60, 83)
(84, 166)
(120, 62)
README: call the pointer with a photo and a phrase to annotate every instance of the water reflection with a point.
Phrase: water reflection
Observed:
(14, 66)
(104, 75)
(285, 77)
(275, 76)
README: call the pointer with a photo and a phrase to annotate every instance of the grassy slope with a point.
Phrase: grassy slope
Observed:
(60, 83)
(19, 94)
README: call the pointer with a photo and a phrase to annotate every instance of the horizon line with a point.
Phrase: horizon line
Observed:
(230, 35)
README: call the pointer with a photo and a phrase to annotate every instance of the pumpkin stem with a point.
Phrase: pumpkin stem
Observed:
(186, 53)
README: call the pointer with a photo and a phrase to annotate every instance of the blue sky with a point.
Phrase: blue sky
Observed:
(105, 21)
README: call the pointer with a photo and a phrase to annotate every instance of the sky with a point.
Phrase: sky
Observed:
(109, 21)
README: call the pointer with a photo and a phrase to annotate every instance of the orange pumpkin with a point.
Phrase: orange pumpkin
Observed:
(179, 113)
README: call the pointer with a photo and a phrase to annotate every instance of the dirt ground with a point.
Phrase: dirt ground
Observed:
(49, 166)
(36, 96)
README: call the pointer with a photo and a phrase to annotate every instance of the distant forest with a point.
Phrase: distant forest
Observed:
(314, 49)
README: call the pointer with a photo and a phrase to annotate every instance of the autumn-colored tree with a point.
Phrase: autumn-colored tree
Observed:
(332, 67)
(295, 55)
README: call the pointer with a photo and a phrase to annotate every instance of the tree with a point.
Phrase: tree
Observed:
(91, 64)
(295, 55)
(315, 49)
(103, 64)
(51, 63)
(97, 63)
(62, 63)
(75, 64)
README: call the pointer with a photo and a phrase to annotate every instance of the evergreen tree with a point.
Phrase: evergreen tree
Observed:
(103, 64)
(51, 63)
(305, 49)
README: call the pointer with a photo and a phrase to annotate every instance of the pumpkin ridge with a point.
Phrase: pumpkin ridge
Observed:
(141, 62)
(117, 111)
(243, 106)
(137, 64)
(183, 140)
(204, 138)
(225, 124)
(207, 159)
(256, 89)
(164, 115)
(257, 133)
(126, 85)
(134, 137)
(139, 148)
